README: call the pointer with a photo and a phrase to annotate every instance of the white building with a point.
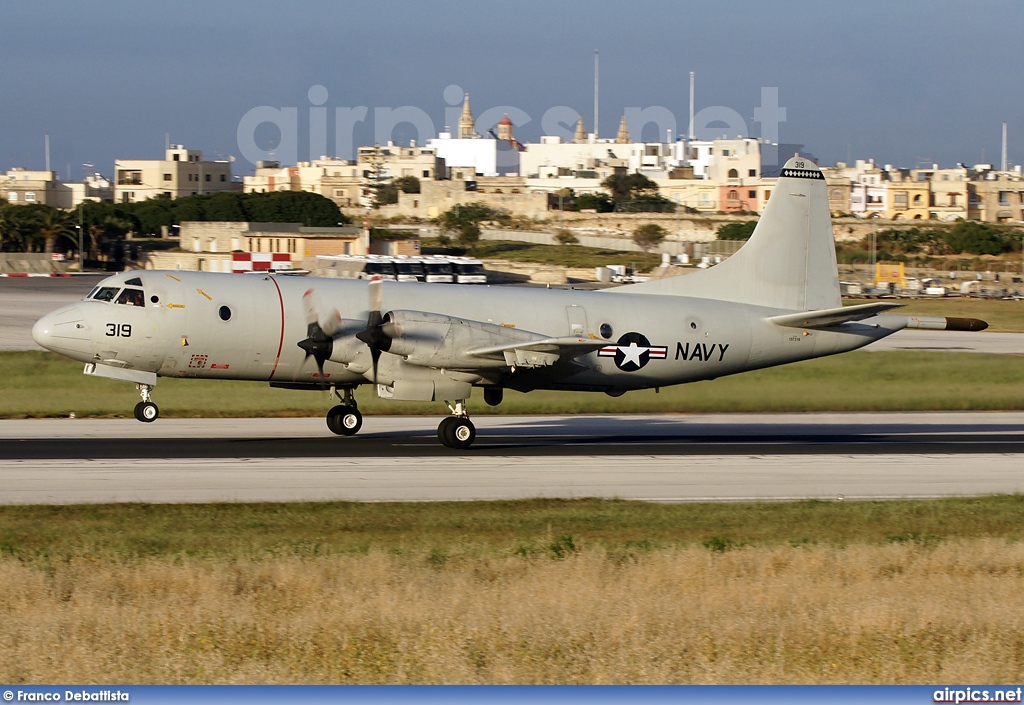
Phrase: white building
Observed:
(181, 173)
(465, 158)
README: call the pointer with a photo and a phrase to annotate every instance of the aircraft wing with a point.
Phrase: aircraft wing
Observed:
(539, 353)
(829, 317)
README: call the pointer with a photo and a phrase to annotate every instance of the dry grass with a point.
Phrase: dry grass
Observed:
(949, 611)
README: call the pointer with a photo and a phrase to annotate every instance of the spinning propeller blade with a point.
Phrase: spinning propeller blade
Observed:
(319, 340)
(373, 335)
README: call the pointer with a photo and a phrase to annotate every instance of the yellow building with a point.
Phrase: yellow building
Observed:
(908, 198)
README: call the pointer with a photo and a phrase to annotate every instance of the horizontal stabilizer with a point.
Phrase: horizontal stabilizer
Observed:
(832, 316)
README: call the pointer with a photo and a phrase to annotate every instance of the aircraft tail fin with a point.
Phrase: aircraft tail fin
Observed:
(789, 261)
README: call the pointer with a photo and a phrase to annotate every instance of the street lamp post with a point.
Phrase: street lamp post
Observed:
(81, 224)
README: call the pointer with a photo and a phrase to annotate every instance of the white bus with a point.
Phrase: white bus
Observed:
(438, 270)
(356, 267)
(469, 271)
(408, 269)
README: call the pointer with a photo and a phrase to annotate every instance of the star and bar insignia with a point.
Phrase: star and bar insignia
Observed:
(632, 351)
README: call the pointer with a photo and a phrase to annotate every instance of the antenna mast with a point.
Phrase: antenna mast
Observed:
(689, 133)
(595, 92)
(1004, 164)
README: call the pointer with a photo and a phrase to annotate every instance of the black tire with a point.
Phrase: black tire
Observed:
(344, 420)
(147, 412)
(334, 419)
(461, 434)
(442, 430)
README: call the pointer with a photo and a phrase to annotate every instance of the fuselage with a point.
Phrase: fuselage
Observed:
(247, 327)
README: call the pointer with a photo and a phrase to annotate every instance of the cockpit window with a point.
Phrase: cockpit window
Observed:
(134, 281)
(106, 293)
(93, 292)
(132, 297)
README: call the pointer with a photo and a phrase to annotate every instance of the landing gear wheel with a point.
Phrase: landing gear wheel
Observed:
(344, 420)
(459, 433)
(442, 430)
(146, 411)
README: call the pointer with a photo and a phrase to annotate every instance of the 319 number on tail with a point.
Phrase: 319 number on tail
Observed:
(119, 330)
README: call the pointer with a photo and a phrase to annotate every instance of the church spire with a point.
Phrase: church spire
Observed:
(467, 125)
(581, 134)
(623, 136)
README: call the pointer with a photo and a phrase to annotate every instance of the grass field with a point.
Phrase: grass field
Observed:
(46, 385)
(1001, 316)
(543, 591)
(560, 255)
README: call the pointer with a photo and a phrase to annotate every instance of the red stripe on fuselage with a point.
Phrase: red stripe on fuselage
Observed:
(280, 345)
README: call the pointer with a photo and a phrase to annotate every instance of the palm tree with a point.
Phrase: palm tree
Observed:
(7, 228)
(54, 224)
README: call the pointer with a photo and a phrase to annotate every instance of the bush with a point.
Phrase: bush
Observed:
(649, 236)
(595, 201)
(564, 237)
(977, 239)
(737, 231)
(407, 184)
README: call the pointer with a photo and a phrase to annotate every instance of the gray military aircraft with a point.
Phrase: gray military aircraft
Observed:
(775, 301)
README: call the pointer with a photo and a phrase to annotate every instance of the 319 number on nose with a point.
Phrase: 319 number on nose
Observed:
(119, 330)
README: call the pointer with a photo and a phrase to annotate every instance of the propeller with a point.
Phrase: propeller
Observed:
(320, 335)
(373, 335)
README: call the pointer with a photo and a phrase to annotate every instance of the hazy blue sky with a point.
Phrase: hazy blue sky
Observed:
(902, 82)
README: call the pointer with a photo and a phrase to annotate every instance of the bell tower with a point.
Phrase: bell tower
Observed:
(467, 125)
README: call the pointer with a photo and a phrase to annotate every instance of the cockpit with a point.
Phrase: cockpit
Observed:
(130, 294)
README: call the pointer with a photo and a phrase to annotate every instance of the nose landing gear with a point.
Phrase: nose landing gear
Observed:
(146, 411)
(457, 431)
(344, 419)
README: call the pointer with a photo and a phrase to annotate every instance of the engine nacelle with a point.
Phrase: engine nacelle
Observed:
(435, 340)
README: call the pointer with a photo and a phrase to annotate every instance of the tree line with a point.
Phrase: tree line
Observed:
(39, 228)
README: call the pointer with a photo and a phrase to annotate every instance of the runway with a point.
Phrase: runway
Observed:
(655, 458)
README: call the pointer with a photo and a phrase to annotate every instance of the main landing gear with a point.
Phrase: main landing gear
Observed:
(457, 431)
(146, 411)
(344, 419)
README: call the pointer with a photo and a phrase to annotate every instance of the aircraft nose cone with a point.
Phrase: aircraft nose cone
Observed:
(63, 331)
(42, 332)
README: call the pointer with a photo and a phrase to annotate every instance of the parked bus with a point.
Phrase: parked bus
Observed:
(438, 270)
(408, 269)
(469, 271)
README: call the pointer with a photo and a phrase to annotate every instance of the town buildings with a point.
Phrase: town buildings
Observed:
(23, 186)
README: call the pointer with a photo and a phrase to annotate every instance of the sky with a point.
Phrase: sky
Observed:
(907, 83)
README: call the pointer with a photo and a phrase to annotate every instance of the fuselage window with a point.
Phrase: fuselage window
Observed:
(606, 331)
(132, 297)
(225, 313)
(106, 293)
